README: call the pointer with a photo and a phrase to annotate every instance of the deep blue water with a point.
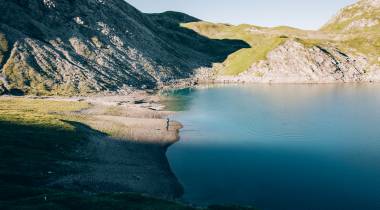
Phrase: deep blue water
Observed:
(280, 147)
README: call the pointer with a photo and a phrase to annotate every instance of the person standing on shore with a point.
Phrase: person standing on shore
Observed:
(167, 124)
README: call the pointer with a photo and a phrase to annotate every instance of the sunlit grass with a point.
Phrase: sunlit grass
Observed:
(38, 112)
(242, 60)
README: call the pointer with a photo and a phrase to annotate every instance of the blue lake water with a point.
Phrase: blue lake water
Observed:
(279, 147)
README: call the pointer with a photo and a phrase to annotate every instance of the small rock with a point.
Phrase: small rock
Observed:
(3, 90)
(139, 101)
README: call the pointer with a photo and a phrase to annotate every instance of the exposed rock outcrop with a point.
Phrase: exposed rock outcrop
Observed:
(293, 62)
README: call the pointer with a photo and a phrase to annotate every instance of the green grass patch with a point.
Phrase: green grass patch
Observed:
(244, 59)
(364, 44)
(258, 74)
(309, 43)
(240, 61)
(45, 113)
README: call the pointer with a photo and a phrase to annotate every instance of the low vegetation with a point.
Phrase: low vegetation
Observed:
(356, 18)
(260, 44)
(363, 44)
(38, 112)
(358, 28)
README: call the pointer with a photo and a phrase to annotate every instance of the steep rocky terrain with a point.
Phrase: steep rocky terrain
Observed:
(364, 15)
(86, 46)
(347, 49)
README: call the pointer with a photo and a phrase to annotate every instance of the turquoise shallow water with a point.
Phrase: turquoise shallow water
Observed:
(291, 147)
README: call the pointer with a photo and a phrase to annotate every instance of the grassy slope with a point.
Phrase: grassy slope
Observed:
(23, 76)
(262, 40)
(337, 33)
(351, 14)
(365, 41)
(363, 44)
(241, 60)
(36, 138)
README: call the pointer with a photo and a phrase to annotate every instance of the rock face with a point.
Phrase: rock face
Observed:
(85, 46)
(293, 62)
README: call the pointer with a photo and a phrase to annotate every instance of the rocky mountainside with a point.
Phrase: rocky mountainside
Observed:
(364, 15)
(86, 46)
(71, 47)
(347, 49)
(293, 62)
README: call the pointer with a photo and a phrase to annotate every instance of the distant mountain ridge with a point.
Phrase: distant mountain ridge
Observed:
(88, 46)
(363, 15)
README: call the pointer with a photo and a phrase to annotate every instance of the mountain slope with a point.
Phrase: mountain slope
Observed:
(359, 17)
(85, 46)
(358, 29)
(289, 55)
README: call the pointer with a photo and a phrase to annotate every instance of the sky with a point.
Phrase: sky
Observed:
(305, 14)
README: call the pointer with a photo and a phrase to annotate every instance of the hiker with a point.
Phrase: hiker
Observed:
(167, 123)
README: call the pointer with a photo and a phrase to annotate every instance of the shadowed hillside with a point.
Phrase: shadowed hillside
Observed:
(84, 46)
